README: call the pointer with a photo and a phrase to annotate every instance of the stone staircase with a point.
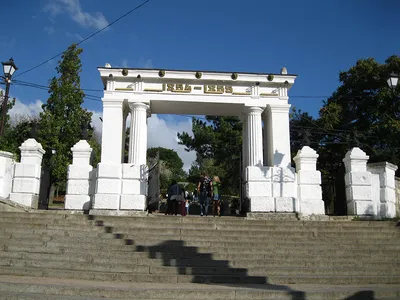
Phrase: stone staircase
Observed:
(55, 255)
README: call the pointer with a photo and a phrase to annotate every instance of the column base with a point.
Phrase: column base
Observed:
(109, 212)
(133, 202)
(361, 208)
(274, 204)
(272, 216)
(28, 200)
(287, 204)
(312, 207)
(77, 202)
(106, 201)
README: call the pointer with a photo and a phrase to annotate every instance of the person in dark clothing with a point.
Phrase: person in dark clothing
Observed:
(174, 192)
(204, 192)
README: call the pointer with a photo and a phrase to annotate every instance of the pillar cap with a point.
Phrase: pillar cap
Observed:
(31, 144)
(81, 146)
(356, 154)
(6, 154)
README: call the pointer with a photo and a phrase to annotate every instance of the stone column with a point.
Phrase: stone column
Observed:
(26, 182)
(79, 178)
(309, 189)
(277, 135)
(111, 143)
(135, 172)
(254, 137)
(6, 173)
(358, 183)
(138, 133)
(387, 194)
(108, 184)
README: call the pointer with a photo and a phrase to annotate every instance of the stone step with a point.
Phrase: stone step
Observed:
(194, 227)
(154, 238)
(159, 245)
(218, 230)
(226, 279)
(207, 233)
(302, 258)
(186, 220)
(188, 268)
(190, 251)
(189, 291)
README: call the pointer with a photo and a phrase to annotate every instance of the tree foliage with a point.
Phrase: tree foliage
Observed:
(171, 165)
(218, 145)
(63, 118)
(364, 111)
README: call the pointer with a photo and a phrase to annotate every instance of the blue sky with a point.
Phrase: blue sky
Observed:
(313, 39)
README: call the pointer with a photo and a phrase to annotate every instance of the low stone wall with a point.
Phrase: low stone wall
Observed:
(397, 196)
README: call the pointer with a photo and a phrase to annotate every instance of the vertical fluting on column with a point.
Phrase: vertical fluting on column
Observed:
(138, 133)
(125, 113)
(244, 143)
(254, 136)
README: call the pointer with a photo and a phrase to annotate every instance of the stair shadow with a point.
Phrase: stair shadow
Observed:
(185, 259)
(203, 268)
(206, 270)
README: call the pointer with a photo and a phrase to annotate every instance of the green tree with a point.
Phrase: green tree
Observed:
(63, 118)
(218, 145)
(5, 140)
(364, 111)
(15, 134)
(171, 165)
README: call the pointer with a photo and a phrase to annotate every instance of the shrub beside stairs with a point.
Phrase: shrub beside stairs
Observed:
(55, 255)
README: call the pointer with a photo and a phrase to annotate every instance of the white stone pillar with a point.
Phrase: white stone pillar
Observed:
(358, 183)
(309, 189)
(111, 142)
(135, 172)
(277, 135)
(138, 133)
(386, 172)
(79, 178)
(26, 182)
(6, 173)
(254, 136)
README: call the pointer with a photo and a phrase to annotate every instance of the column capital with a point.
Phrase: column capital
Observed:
(254, 109)
(116, 103)
(278, 108)
(139, 106)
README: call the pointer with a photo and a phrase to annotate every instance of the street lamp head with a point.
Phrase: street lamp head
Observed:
(9, 68)
(393, 80)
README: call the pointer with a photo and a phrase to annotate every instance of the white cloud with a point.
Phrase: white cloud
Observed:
(74, 35)
(50, 30)
(163, 133)
(96, 122)
(145, 63)
(22, 111)
(124, 63)
(74, 9)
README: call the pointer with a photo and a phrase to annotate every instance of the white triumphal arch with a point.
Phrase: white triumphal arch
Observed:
(260, 100)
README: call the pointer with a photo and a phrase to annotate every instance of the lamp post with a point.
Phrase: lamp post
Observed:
(393, 81)
(8, 68)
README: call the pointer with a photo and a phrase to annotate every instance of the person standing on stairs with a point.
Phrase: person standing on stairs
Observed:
(204, 192)
(216, 187)
(174, 194)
